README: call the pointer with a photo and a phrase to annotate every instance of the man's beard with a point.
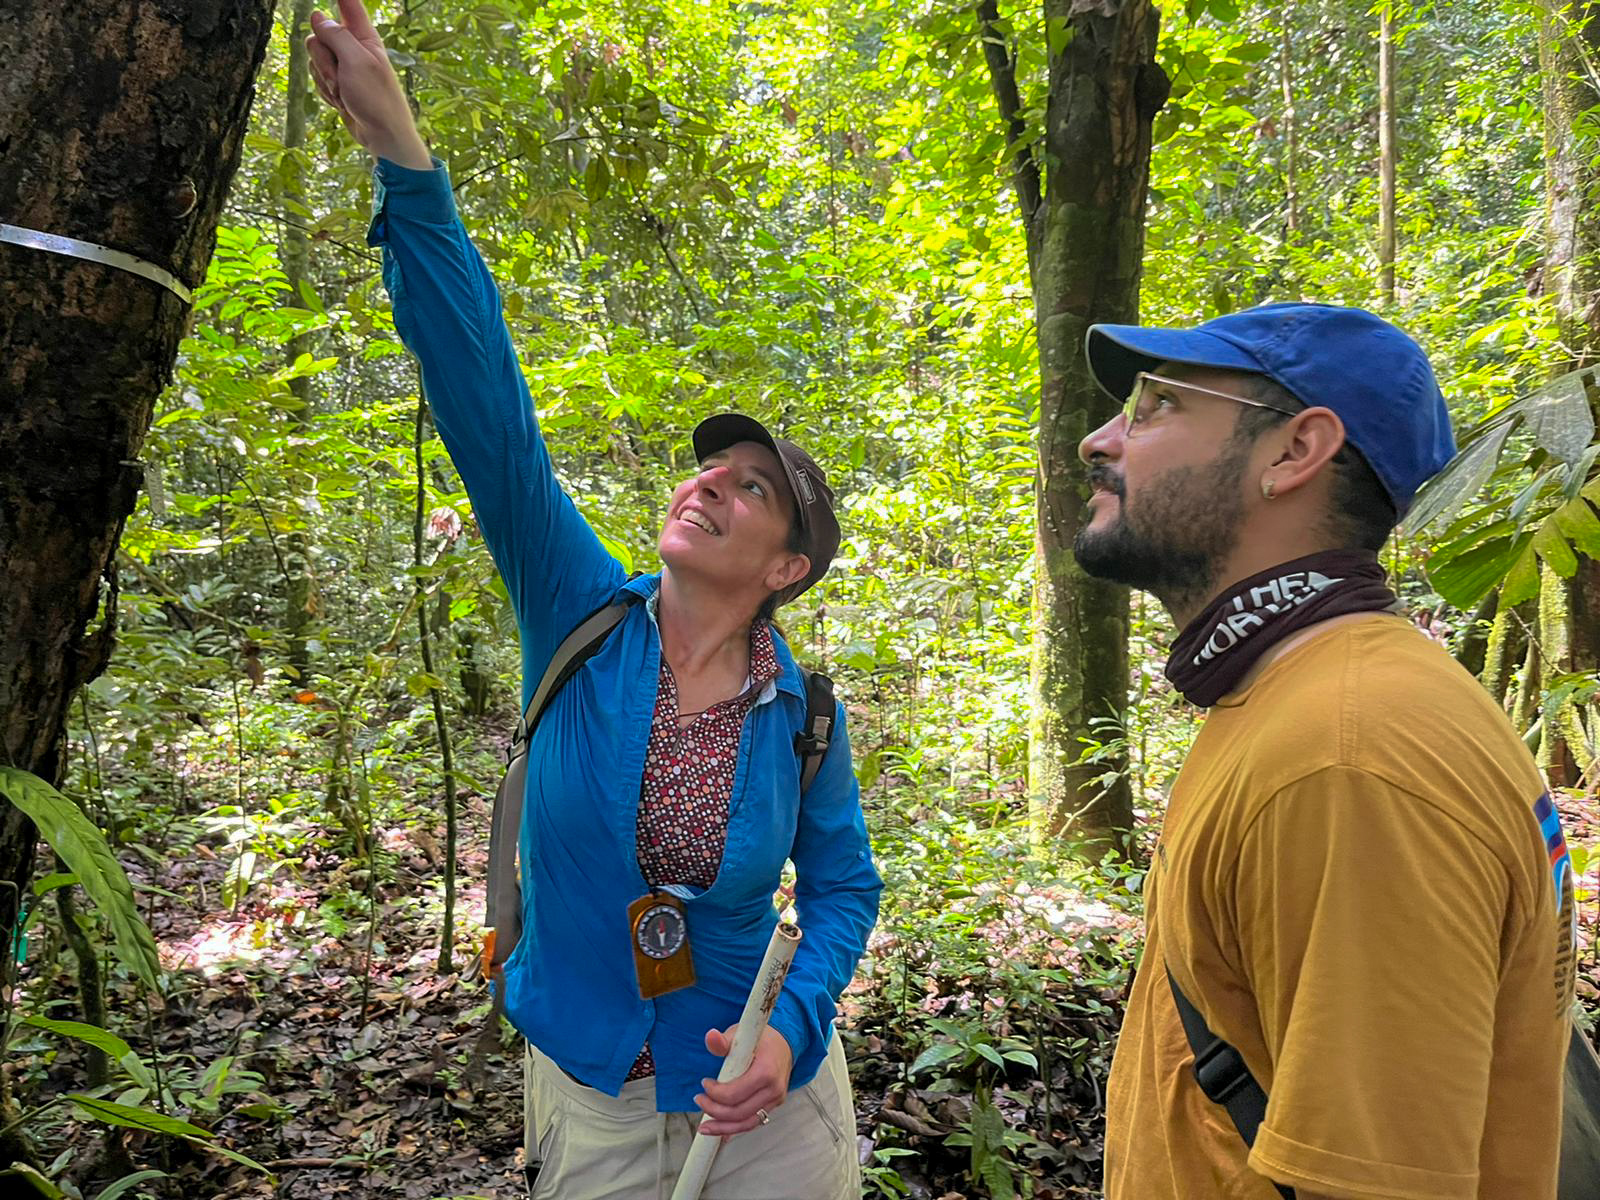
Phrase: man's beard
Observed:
(1171, 542)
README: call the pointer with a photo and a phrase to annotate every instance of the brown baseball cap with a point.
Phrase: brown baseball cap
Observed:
(813, 498)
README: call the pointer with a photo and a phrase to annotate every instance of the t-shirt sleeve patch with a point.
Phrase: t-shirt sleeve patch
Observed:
(1560, 860)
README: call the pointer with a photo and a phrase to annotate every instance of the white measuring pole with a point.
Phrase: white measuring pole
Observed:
(757, 1012)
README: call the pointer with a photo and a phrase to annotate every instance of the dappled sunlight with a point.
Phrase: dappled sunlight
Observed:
(1064, 910)
(221, 945)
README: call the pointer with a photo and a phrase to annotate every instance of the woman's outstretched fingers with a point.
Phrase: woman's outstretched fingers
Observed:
(354, 15)
(354, 75)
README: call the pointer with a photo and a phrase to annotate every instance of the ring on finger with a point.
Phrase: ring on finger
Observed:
(764, 1116)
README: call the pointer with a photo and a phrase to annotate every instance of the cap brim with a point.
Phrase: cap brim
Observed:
(1117, 353)
(717, 433)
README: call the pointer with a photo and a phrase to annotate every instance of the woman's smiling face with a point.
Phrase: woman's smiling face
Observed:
(730, 523)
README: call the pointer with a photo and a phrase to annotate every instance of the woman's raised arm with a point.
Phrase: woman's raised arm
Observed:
(447, 310)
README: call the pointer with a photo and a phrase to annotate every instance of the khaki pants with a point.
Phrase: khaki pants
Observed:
(599, 1147)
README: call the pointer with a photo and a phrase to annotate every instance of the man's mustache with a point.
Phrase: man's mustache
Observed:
(1104, 478)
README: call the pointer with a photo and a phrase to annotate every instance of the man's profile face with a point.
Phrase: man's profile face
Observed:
(1168, 498)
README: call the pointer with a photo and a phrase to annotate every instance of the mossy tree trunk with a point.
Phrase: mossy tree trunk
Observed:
(120, 123)
(1081, 187)
(1569, 45)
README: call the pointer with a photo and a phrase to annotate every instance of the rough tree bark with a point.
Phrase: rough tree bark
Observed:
(121, 123)
(1081, 188)
(299, 595)
(1569, 34)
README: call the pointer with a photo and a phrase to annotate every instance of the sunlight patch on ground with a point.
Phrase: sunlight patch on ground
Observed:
(1063, 910)
(221, 945)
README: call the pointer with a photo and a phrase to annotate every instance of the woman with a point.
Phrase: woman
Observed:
(665, 766)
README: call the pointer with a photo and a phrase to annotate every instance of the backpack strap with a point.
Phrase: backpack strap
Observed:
(1220, 1071)
(504, 900)
(816, 735)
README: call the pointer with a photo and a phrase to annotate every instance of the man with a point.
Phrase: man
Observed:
(1360, 884)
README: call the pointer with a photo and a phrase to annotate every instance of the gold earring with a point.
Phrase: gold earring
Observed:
(1267, 487)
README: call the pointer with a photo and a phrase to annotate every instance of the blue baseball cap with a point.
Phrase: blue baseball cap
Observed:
(1376, 378)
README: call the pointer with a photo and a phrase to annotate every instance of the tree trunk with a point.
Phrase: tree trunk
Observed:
(298, 601)
(1084, 217)
(441, 727)
(1473, 649)
(1386, 152)
(120, 123)
(1291, 132)
(1569, 39)
(1569, 34)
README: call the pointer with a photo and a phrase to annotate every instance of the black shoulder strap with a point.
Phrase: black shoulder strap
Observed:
(577, 648)
(504, 891)
(1220, 1071)
(812, 742)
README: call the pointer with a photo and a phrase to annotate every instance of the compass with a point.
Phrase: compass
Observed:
(660, 931)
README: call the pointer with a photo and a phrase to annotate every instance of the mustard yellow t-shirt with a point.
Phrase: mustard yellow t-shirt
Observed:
(1354, 889)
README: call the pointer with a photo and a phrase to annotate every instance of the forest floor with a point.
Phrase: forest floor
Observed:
(331, 1051)
(985, 1011)
(349, 1069)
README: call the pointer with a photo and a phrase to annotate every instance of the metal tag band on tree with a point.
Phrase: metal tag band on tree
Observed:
(758, 1008)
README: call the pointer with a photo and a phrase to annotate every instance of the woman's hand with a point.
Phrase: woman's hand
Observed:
(735, 1106)
(353, 74)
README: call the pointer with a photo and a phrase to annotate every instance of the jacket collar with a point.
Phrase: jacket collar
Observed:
(646, 588)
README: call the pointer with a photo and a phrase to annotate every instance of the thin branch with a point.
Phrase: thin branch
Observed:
(266, 524)
(523, 154)
(656, 226)
(447, 938)
(291, 1164)
(316, 235)
(166, 593)
(997, 52)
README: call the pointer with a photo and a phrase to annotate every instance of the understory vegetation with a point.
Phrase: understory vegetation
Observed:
(802, 211)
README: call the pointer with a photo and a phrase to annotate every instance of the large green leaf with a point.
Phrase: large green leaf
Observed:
(1553, 548)
(80, 1031)
(1466, 578)
(74, 837)
(934, 1055)
(988, 1133)
(1522, 580)
(1524, 501)
(1578, 521)
(1558, 415)
(127, 1182)
(131, 1117)
(1459, 482)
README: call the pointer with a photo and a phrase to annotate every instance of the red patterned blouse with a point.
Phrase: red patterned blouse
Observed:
(688, 782)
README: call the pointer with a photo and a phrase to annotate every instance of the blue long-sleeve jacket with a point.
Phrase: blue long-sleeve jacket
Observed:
(570, 986)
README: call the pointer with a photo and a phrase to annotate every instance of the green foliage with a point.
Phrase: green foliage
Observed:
(114, 1046)
(128, 1182)
(1540, 509)
(63, 826)
(804, 212)
(131, 1116)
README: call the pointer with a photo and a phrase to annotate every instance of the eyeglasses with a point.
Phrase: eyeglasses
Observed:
(1142, 403)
